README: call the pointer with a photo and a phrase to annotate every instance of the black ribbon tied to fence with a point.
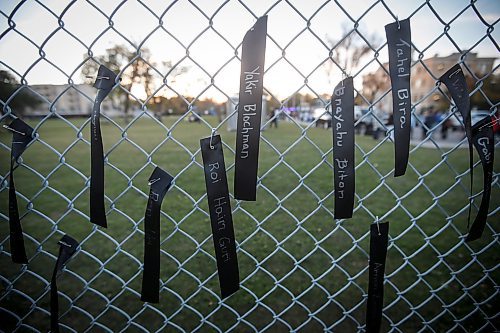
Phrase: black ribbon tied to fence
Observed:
(399, 45)
(343, 147)
(104, 83)
(160, 181)
(67, 247)
(249, 111)
(454, 79)
(22, 135)
(220, 214)
(379, 233)
(484, 141)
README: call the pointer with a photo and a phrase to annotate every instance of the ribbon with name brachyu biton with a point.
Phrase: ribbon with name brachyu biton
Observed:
(484, 141)
(67, 247)
(22, 135)
(399, 45)
(160, 181)
(379, 234)
(104, 82)
(454, 79)
(249, 111)
(342, 104)
(220, 214)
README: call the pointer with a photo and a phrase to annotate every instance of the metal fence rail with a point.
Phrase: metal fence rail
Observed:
(300, 268)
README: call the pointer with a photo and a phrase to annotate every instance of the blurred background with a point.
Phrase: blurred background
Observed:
(300, 268)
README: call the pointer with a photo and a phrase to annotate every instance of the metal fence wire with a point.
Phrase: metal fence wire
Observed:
(301, 270)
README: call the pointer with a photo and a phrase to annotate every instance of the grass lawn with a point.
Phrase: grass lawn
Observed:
(299, 267)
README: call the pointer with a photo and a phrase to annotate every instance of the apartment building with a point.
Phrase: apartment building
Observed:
(423, 79)
(65, 100)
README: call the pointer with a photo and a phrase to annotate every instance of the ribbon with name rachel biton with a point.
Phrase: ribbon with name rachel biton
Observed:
(22, 135)
(67, 247)
(484, 141)
(379, 234)
(399, 45)
(342, 104)
(104, 82)
(220, 214)
(249, 111)
(159, 181)
(454, 79)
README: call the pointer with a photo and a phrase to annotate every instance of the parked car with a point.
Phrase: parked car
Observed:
(370, 120)
(194, 118)
(477, 115)
(455, 121)
(322, 117)
(364, 122)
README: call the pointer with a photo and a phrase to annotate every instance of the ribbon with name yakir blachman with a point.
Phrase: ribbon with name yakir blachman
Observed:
(249, 112)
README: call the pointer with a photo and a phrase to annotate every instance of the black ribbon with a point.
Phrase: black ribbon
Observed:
(343, 147)
(22, 135)
(399, 45)
(249, 111)
(379, 233)
(484, 141)
(220, 214)
(160, 181)
(67, 247)
(454, 80)
(104, 83)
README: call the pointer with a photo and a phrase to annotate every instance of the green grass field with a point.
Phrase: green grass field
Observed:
(298, 265)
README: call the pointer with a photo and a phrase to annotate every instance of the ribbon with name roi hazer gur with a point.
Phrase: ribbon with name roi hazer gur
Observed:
(220, 214)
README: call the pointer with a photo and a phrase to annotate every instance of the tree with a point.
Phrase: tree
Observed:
(137, 67)
(348, 51)
(23, 98)
(490, 88)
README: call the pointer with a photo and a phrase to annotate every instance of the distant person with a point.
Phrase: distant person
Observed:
(158, 115)
(428, 121)
(444, 126)
(274, 118)
(390, 120)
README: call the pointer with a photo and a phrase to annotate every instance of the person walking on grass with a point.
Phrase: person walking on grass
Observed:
(274, 118)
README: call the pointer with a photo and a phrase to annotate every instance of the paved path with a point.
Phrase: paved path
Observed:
(451, 141)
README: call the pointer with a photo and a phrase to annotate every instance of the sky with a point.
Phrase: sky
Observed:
(297, 30)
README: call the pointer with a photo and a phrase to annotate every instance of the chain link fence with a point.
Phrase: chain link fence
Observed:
(301, 270)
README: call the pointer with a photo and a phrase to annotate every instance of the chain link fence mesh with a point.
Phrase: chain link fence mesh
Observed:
(301, 270)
